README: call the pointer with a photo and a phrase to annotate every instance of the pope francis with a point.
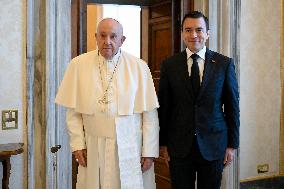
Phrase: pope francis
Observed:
(111, 114)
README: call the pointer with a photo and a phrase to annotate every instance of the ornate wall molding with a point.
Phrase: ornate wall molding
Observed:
(58, 50)
(36, 93)
(48, 53)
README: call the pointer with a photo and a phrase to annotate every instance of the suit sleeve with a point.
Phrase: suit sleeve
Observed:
(164, 109)
(75, 130)
(150, 129)
(231, 106)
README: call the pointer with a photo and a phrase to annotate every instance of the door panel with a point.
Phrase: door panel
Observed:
(160, 37)
(161, 47)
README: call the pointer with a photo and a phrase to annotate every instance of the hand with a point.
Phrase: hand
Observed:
(81, 157)
(164, 154)
(229, 156)
(146, 163)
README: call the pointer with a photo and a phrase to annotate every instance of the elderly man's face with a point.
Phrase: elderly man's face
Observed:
(109, 37)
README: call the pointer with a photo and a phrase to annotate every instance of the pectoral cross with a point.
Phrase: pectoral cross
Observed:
(104, 100)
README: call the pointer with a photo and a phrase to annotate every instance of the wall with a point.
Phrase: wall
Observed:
(259, 86)
(94, 14)
(282, 95)
(12, 80)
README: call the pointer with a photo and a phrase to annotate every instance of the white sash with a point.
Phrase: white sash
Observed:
(128, 153)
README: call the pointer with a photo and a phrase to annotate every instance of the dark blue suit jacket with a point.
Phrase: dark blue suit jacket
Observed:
(215, 111)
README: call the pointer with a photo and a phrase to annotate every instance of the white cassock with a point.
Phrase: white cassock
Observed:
(117, 134)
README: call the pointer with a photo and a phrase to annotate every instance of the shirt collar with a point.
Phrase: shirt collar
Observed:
(200, 53)
(114, 58)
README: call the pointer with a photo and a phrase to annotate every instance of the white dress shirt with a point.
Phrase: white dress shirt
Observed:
(200, 60)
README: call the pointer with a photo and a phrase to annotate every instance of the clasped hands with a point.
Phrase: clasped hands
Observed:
(81, 158)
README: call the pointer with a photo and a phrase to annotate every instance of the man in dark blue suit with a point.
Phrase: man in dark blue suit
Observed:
(199, 110)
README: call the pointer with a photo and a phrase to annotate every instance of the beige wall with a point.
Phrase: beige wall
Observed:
(282, 95)
(260, 86)
(94, 15)
(13, 81)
